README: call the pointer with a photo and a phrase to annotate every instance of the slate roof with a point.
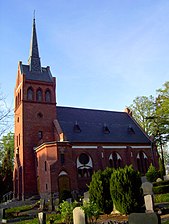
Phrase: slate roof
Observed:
(44, 75)
(88, 125)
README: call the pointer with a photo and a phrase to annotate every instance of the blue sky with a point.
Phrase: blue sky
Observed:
(102, 53)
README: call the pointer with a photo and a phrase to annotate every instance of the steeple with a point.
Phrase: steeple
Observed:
(34, 59)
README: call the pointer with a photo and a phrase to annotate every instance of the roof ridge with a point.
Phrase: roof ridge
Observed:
(91, 109)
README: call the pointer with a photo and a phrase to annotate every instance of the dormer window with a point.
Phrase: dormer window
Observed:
(76, 128)
(106, 129)
(131, 130)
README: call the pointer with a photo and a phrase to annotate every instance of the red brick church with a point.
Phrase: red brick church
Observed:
(58, 148)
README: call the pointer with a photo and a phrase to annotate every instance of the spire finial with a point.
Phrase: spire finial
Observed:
(34, 59)
(34, 14)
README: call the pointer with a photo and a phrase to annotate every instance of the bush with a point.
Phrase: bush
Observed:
(99, 190)
(92, 211)
(125, 189)
(152, 174)
(162, 189)
(66, 210)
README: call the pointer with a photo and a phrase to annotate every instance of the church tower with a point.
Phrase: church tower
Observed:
(35, 111)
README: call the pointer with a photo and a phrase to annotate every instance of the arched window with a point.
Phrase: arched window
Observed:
(115, 160)
(18, 99)
(16, 103)
(48, 96)
(20, 95)
(30, 93)
(84, 166)
(39, 95)
(142, 162)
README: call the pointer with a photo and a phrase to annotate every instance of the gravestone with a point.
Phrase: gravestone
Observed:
(149, 203)
(2, 213)
(166, 177)
(42, 218)
(42, 204)
(143, 218)
(69, 200)
(51, 204)
(86, 196)
(148, 196)
(78, 216)
(147, 188)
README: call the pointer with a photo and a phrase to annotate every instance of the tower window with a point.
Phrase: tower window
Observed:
(16, 102)
(40, 135)
(39, 115)
(47, 96)
(30, 93)
(39, 95)
(45, 166)
(62, 158)
(19, 139)
(20, 96)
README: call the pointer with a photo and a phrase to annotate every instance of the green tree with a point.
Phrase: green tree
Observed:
(6, 162)
(99, 190)
(143, 107)
(152, 113)
(125, 189)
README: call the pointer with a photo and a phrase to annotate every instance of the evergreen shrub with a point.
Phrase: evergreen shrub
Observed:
(152, 173)
(125, 189)
(99, 190)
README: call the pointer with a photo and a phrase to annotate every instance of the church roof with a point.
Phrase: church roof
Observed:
(89, 125)
(44, 76)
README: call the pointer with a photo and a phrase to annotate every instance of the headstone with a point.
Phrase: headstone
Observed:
(149, 203)
(166, 177)
(2, 213)
(86, 196)
(143, 179)
(148, 196)
(42, 204)
(78, 216)
(42, 218)
(147, 188)
(140, 218)
(51, 204)
(69, 200)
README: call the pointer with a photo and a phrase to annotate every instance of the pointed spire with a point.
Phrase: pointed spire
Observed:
(34, 59)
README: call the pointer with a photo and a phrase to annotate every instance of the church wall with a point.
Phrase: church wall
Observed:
(100, 160)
